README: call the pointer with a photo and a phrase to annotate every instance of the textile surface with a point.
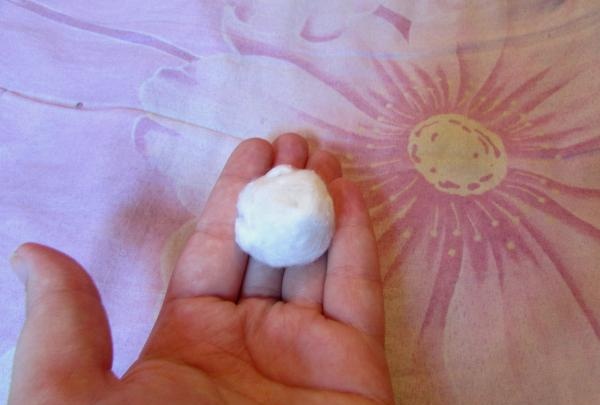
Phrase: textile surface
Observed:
(472, 129)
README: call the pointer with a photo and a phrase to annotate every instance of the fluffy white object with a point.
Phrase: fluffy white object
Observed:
(285, 218)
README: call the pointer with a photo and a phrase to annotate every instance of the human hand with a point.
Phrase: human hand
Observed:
(231, 331)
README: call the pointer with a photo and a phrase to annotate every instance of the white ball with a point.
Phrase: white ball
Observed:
(285, 218)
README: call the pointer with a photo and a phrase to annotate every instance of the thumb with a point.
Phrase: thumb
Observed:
(64, 352)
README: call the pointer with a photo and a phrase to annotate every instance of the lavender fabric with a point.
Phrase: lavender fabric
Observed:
(471, 128)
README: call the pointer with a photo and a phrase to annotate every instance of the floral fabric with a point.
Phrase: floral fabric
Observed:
(471, 127)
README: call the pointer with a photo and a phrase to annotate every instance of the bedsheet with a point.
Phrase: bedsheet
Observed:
(472, 129)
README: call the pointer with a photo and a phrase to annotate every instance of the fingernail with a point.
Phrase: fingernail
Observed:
(19, 266)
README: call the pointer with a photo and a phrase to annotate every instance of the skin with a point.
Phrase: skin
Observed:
(231, 331)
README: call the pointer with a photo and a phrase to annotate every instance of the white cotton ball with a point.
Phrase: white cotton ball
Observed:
(285, 218)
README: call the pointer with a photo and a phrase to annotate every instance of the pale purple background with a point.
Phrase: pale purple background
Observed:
(116, 117)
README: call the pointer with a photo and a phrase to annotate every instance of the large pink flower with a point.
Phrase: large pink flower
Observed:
(479, 160)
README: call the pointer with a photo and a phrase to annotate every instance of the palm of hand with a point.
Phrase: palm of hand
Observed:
(231, 331)
(258, 352)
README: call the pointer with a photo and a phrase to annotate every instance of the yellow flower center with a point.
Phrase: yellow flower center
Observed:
(457, 155)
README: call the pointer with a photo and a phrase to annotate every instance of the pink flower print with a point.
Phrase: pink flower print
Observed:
(479, 163)
(316, 21)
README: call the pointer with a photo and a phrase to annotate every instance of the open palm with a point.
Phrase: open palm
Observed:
(231, 329)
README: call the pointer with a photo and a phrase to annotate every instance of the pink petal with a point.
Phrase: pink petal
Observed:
(344, 59)
(474, 344)
(190, 157)
(572, 258)
(329, 19)
(73, 65)
(313, 21)
(413, 261)
(554, 89)
(193, 27)
(525, 339)
(246, 96)
(581, 201)
(361, 63)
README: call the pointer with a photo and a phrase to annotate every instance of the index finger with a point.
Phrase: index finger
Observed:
(212, 264)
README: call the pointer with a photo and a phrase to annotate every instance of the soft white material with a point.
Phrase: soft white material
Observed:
(285, 218)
